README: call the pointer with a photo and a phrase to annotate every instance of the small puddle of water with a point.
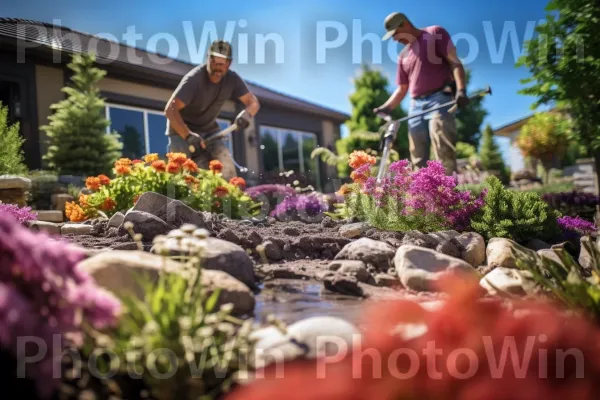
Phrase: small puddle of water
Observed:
(293, 300)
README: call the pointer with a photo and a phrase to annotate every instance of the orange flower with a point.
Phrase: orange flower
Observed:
(104, 180)
(83, 200)
(92, 183)
(358, 177)
(238, 181)
(74, 212)
(191, 179)
(108, 204)
(150, 158)
(215, 166)
(358, 158)
(123, 161)
(345, 189)
(173, 167)
(122, 169)
(136, 161)
(190, 166)
(159, 166)
(221, 191)
(177, 158)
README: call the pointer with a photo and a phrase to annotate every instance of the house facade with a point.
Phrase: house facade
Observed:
(137, 85)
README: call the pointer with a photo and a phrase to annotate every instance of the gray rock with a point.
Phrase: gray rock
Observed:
(444, 235)
(387, 280)
(76, 229)
(14, 182)
(420, 268)
(369, 251)
(353, 230)
(230, 236)
(214, 254)
(272, 250)
(116, 220)
(146, 224)
(585, 258)
(499, 252)
(473, 248)
(152, 203)
(354, 268)
(119, 271)
(537, 244)
(43, 226)
(420, 239)
(291, 231)
(343, 284)
(450, 248)
(508, 280)
(177, 213)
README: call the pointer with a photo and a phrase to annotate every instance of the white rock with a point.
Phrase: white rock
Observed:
(499, 252)
(474, 245)
(14, 182)
(508, 280)
(76, 229)
(309, 338)
(44, 226)
(369, 251)
(420, 268)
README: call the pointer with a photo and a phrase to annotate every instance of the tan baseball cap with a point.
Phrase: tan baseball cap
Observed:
(391, 23)
(220, 48)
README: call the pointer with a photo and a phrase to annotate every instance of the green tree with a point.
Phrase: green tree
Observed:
(77, 140)
(370, 91)
(469, 119)
(133, 147)
(545, 137)
(564, 61)
(12, 161)
(490, 156)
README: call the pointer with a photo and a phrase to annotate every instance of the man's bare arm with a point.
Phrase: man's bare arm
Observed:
(458, 70)
(174, 116)
(395, 98)
(251, 103)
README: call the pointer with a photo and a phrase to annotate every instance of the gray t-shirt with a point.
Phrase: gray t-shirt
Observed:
(204, 99)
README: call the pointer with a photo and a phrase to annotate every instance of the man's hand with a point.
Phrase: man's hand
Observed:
(461, 98)
(382, 109)
(195, 140)
(242, 120)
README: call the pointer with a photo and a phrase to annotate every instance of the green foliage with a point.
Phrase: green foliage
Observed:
(78, 142)
(490, 156)
(544, 137)
(176, 339)
(465, 150)
(564, 62)
(370, 92)
(469, 119)
(567, 281)
(12, 161)
(519, 216)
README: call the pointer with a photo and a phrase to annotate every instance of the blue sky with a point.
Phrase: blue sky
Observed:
(313, 48)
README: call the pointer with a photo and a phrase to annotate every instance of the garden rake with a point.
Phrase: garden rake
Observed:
(219, 135)
(391, 130)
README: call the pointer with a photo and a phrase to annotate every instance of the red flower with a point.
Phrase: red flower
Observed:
(104, 180)
(159, 166)
(462, 351)
(221, 191)
(238, 181)
(215, 166)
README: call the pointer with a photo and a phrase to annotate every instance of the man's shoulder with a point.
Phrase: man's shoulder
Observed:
(435, 30)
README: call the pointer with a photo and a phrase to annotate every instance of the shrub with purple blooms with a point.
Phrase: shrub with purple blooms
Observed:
(22, 214)
(45, 296)
(425, 200)
(576, 225)
(271, 194)
(306, 208)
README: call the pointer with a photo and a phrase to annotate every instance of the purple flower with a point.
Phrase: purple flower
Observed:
(256, 191)
(577, 224)
(22, 214)
(40, 279)
(300, 207)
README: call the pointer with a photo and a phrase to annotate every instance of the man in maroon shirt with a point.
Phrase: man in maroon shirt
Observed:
(429, 68)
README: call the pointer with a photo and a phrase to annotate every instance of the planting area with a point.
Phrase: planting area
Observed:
(236, 280)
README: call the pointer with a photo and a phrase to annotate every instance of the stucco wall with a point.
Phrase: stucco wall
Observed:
(49, 82)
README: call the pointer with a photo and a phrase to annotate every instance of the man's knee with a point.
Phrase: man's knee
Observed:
(443, 128)
(221, 152)
(419, 144)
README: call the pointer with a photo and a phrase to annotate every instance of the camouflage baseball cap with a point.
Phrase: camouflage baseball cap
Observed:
(391, 23)
(220, 48)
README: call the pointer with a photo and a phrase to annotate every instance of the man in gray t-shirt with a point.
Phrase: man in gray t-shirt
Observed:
(195, 105)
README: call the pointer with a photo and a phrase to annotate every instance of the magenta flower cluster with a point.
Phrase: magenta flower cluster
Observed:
(577, 225)
(428, 191)
(44, 296)
(22, 214)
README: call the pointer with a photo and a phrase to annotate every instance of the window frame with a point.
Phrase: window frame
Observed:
(145, 112)
(299, 134)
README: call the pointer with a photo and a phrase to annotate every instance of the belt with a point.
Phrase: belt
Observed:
(444, 88)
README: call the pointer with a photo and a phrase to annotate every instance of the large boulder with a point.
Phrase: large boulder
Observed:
(374, 252)
(420, 268)
(173, 212)
(119, 270)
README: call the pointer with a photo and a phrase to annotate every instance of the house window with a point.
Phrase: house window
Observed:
(223, 124)
(287, 150)
(143, 131)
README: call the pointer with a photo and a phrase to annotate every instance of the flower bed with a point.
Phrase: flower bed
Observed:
(179, 178)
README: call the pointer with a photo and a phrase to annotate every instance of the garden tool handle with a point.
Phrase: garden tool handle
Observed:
(216, 136)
